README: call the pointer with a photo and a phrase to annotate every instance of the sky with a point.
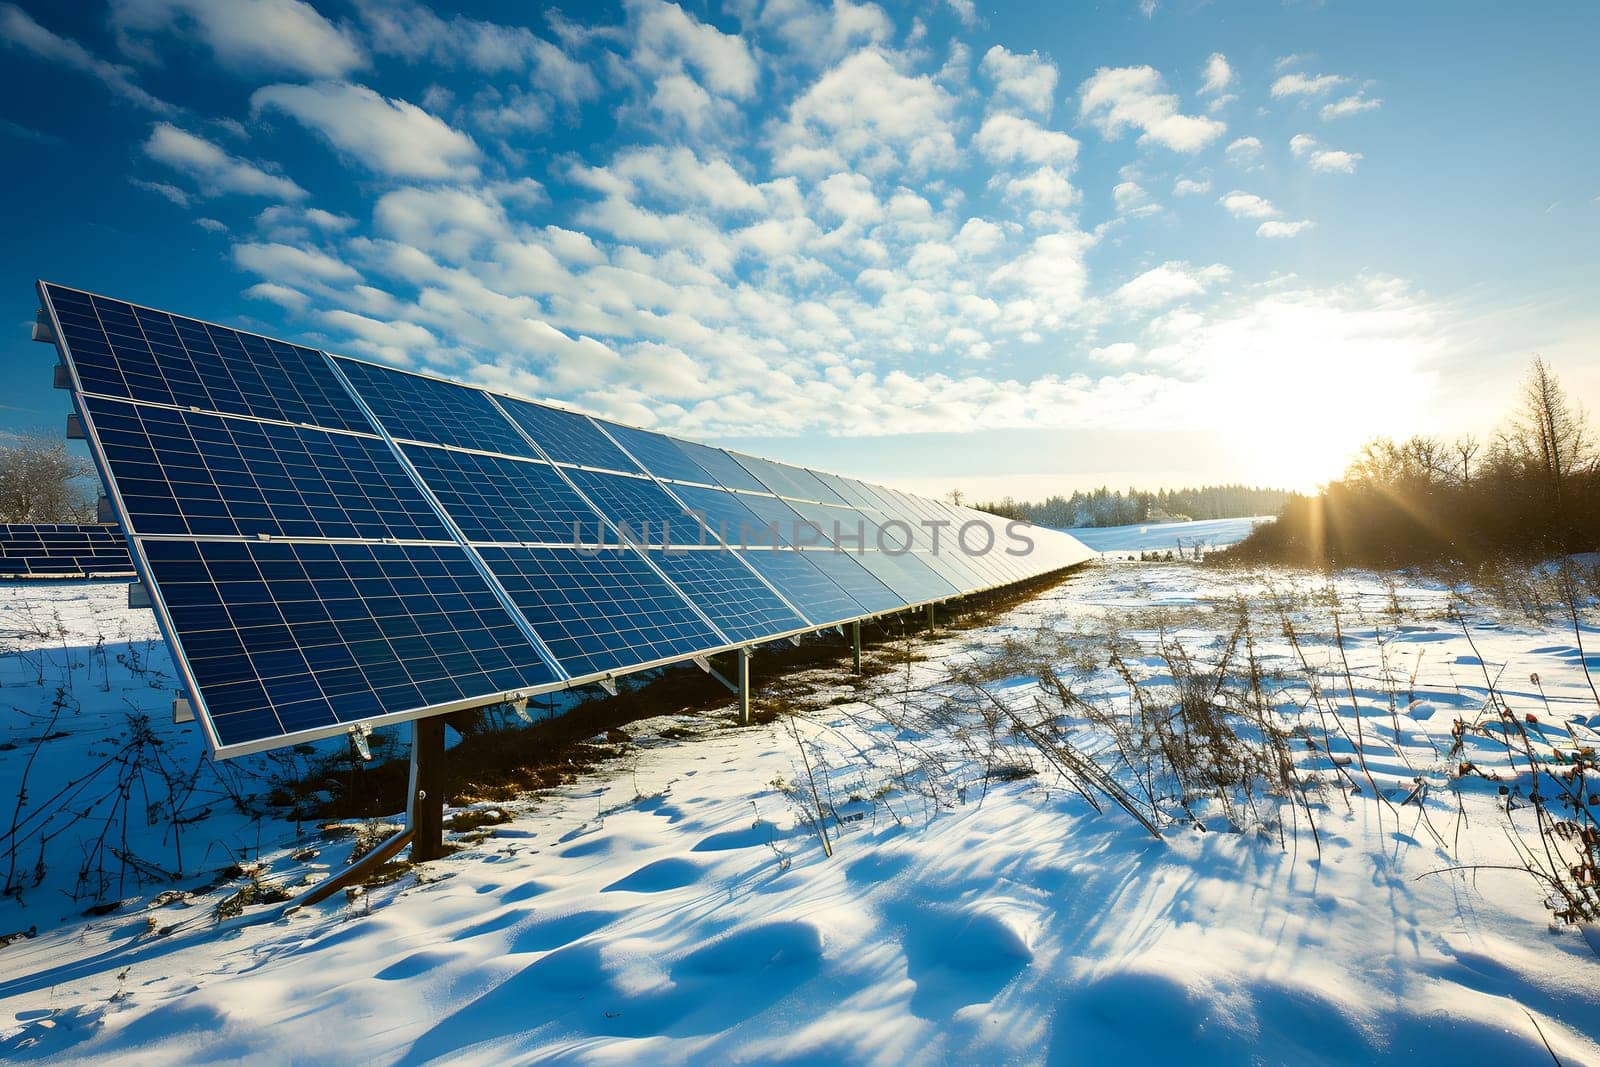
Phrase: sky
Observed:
(1011, 249)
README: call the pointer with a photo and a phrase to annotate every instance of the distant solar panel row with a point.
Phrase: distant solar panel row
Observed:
(330, 541)
(63, 550)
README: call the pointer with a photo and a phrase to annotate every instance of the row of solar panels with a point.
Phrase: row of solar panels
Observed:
(63, 550)
(330, 541)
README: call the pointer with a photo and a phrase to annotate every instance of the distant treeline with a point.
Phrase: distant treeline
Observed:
(1109, 507)
(1532, 491)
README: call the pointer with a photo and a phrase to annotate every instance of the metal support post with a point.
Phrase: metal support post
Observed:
(930, 618)
(855, 642)
(427, 789)
(744, 687)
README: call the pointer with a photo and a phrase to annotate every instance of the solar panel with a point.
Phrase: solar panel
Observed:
(330, 542)
(805, 585)
(600, 612)
(284, 638)
(567, 437)
(722, 467)
(643, 507)
(416, 408)
(187, 472)
(785, 480)
(658, 454)
(736, 599)
(62, 550)
(499, 499)
(136, 353)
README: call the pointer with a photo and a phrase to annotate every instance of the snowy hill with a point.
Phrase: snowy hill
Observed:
(678, 905)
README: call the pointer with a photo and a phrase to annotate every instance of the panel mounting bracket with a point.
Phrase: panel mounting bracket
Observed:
(609, 684)
(359, 732)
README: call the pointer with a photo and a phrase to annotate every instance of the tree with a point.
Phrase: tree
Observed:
(1549, 434)
(1466, 446)
(955, 496)
(40, 481)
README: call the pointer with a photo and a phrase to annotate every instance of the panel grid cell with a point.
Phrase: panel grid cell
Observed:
(56, 550)
(726, 590)
(416, 408)
(567, 437)
(786, 480)
(185, 472)
(499, 499)
(659, 454)
(599, 611)
(639, 504)
(127, 351)
(806, 586)
(284, 638)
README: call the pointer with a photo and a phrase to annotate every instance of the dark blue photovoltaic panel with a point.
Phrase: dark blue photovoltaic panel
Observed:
(907, 574)
(846, 570)
(793, 527)
(786, 480)
(730, 521)
(127, 351)
(599, 612)
(650, 515)
(62, 550)
(494, 498)
(286, 637)
(427, 409)
(722, 466)
(184, 472)
(658, 454)
(568, 437)
(727, 591)
(805, 586)
(849, 490)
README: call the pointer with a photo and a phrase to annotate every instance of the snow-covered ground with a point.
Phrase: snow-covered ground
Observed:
(1203, 534)
(678, 905)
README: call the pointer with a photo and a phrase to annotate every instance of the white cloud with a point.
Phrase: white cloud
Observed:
(19, 30)
(865, 111)
(211, 225)
(278, 35)
(391, 137)
(395, 342)
(446, 222)
(1046, 187)
(1191, 186)
(1219, 77)
(1025, 80)
(666, 39)
(1118, 98)
(1172, 281)
(678, 176)
(1242, 205)
(1052, 272)
(966, 11)
(1354, 104)
(1279, 228)
(1131, 199)
(162, 189)
(415, 33)
(287, 263)
(1007, 138)
(215, 171)
(1119, 354)
(850, 197)
(1326, 160)
(1306, 84)
(1244, 152)
(817, 34)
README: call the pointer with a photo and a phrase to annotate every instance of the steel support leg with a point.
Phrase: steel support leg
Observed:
(930, 618)
(855, 642)
(744, 687)
(427, 789)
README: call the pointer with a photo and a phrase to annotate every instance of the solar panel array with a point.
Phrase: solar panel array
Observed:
(63, 550)
(330, 541)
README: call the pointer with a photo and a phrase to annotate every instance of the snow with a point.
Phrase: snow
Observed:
(1168, 536)
(677, 906)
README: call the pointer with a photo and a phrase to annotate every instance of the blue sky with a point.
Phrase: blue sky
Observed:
(1011, 248)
